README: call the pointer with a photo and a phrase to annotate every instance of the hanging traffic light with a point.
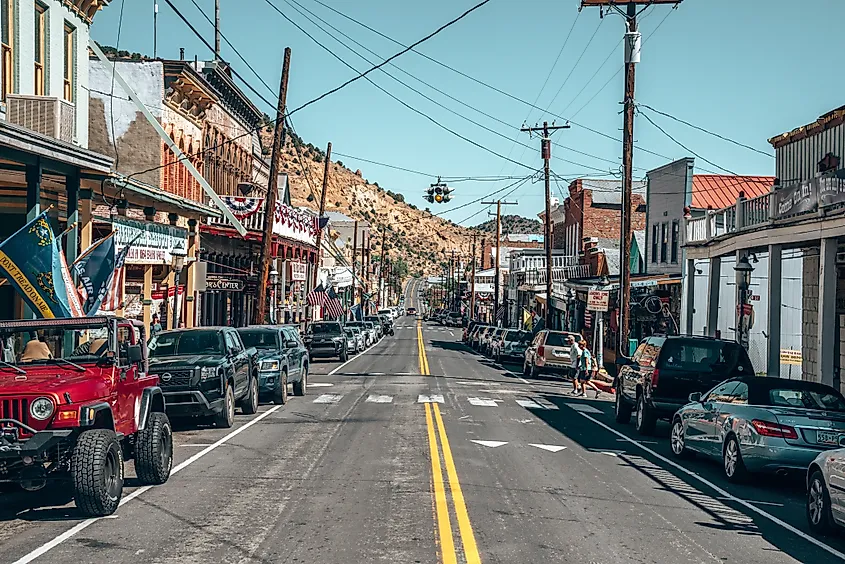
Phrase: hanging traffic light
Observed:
(429, 196)
(438, 192)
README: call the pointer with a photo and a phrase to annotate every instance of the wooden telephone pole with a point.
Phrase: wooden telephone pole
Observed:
(632, 57)
(354, 256)
(272, 193)
(472, 283)
(381, 269)
(322, 211)
(496, 284)
(546, 150)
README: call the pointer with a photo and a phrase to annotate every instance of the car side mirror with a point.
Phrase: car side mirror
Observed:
(291, 344)
(695, 397)
(133, 353)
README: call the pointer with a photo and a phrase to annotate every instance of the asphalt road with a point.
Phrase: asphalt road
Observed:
(426, 454)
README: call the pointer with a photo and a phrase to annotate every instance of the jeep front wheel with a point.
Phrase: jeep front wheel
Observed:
(97, 471)
(154, 450)
(226, 417)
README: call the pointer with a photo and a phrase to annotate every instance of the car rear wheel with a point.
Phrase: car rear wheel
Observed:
(280, 396)
(301, 387)
(154, 450)
(733, 465)
(97, 471)
(819, 513)
(646, 419)
(622, 409)
(344, 356)
(249, 405)
(226, 418)
(678, 440)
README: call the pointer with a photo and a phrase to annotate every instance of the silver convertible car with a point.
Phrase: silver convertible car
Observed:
(760, 424)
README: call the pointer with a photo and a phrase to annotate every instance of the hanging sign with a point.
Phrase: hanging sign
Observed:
(151, 242)
(598, 300)
(225, 285)
(298, 271)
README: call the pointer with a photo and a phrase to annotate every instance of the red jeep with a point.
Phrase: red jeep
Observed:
(76, 400)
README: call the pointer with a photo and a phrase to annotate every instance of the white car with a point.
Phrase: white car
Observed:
(826, 491)
(388, 312)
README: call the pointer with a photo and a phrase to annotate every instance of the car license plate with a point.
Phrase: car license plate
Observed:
(827, 438)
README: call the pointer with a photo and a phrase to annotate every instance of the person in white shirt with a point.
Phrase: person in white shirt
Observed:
(574, 360)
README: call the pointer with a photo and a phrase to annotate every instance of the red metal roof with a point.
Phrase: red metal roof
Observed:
(719, 191)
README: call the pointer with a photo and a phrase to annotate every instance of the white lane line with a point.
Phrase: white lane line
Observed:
(584, 408)
(379, 399)
(328, 398)
(79, 527)
(320, 384)
(491, 444)
(430, 399)
(482, 402)
(773, 504)
(550, 448)
(725, 495)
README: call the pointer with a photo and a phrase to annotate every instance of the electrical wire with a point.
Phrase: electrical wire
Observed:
(581, 56)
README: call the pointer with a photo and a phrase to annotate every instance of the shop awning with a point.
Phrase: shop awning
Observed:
(541, 298)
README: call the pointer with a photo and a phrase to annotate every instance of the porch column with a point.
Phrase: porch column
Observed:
(190, 284)
(148, 296)
(690, 287)
(33, 208)
(827, 310)
(72, 186)
(713, 283)
(86, 225)
(773, 326)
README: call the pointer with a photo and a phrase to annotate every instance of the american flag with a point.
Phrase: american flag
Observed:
(327, 300)
(114, 298)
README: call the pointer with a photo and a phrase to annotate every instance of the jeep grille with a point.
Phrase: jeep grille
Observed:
(16, 408)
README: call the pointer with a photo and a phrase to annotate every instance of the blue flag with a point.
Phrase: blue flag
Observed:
(95, 269)
(357, 312)
(33, 263)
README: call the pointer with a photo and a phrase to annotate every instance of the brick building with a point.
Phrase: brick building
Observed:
(593, 210)
(511, 241)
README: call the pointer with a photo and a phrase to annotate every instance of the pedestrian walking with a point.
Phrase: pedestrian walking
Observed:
(587, 370)
(574, 359)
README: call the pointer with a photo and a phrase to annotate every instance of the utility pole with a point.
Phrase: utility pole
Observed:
(472, 283)
(381, 269)
(633, 43)
(155, 29)
(272, 193)
(217, 30)
(546, 150)
(322, 210)
(497, 282)
(354, 256)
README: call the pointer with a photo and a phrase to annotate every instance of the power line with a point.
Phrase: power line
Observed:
(400, 53)
(598, 69)
(581, 56)
(707, 131)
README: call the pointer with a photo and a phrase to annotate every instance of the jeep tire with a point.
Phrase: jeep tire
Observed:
(300, 386)
(226, 417)
(280, 396)
(154, 450)
(96, 468)
(249, 404)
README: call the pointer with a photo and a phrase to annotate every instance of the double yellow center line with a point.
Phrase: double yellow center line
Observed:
(441, 455)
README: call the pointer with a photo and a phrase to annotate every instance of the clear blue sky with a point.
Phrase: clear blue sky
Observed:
(748, 70)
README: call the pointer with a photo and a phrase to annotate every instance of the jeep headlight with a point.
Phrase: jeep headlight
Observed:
(41, 408)
(209, 372)
(269, 365)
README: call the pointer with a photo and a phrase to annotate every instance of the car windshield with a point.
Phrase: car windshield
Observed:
(358, 324)
(54, 344)
(369, 325)
(172, 343)
(805, 396)
(700, 355)
(326, 328)
(558, 339)
(517, 336)
(260, 338)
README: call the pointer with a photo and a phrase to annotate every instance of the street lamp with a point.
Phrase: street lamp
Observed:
(570, 302)
(744, 269)
(177, 263)
(274, 290)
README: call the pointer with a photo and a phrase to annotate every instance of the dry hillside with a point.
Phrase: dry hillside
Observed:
(413, 234)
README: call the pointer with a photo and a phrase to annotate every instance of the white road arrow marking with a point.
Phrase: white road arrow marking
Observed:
(584, 408)
(380, 399)
(482, 402)
(550, 448)
(430, 399)
(491, 444)
(328, 398)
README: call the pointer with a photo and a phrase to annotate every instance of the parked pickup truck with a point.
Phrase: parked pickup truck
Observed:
(76, 398)
(204, 372)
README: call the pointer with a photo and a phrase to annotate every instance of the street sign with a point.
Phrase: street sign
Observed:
(790, 356)
(225, 285)
(598, 300)
(298, 271)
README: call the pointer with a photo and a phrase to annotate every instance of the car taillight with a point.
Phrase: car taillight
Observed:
(768, 429)
(541, 350)
(655, 378)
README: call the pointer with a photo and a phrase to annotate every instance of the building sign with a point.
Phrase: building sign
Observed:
(151, 242)
(224, 285)
(790, 356)
(298, 271)
(598, 300)
(809, 195)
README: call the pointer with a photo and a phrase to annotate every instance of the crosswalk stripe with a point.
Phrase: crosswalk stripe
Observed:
(430, 399)
(531, 404)
(379, 399)
(328, 398)
(482, 402)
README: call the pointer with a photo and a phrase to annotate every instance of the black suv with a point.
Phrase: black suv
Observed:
(326, 339)
(204, 372)
(664, 371)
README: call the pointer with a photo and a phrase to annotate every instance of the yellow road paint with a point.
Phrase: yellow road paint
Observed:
(444, 524)
(421, 351)
(464, 525)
